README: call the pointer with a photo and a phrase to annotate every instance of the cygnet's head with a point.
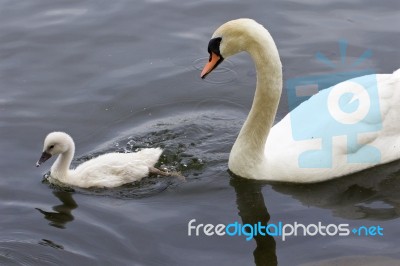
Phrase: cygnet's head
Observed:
(54, 144)
(230, 38)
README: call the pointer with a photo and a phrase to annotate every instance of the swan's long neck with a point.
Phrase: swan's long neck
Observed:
(60, 169)
(248, 150)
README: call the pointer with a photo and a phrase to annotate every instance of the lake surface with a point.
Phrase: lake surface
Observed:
(122, 75)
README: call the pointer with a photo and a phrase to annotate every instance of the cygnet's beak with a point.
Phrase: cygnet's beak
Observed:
(45, 156)
(213, 62)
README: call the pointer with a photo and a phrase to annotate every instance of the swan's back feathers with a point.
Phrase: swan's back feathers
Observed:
(114, 169)
(150, 156)
(397, 73)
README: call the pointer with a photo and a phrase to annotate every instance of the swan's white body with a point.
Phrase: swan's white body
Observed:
(107, 170)
(282, 152)
(272, 153)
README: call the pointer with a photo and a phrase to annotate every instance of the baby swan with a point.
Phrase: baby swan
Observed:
(107, 170)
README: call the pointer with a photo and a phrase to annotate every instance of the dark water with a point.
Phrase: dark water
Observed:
(120, 75)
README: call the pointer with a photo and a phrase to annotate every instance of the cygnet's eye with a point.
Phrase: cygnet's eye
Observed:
(51, 147)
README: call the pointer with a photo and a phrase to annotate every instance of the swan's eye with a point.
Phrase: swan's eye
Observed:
(51, 147)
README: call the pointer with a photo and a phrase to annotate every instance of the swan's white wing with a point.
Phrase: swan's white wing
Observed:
(343, 129)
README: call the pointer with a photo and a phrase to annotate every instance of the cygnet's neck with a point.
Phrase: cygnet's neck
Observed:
(60, 169)
(248, 150)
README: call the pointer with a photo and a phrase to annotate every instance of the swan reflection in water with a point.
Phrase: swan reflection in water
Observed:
(62, 213)
(368, 195)
(372, 194)
(252, 209)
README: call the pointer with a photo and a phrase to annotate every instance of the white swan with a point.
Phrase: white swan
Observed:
(288, 154)
(107, 170)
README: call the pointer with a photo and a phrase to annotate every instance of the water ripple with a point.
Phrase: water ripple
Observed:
(221, 75)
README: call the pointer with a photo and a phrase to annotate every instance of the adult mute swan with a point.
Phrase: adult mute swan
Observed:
(322, 138)
(107, 170)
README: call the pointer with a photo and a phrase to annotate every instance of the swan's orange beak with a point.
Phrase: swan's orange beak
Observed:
(212, 63)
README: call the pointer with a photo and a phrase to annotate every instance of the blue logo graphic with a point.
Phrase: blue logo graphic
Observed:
(346, 109)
